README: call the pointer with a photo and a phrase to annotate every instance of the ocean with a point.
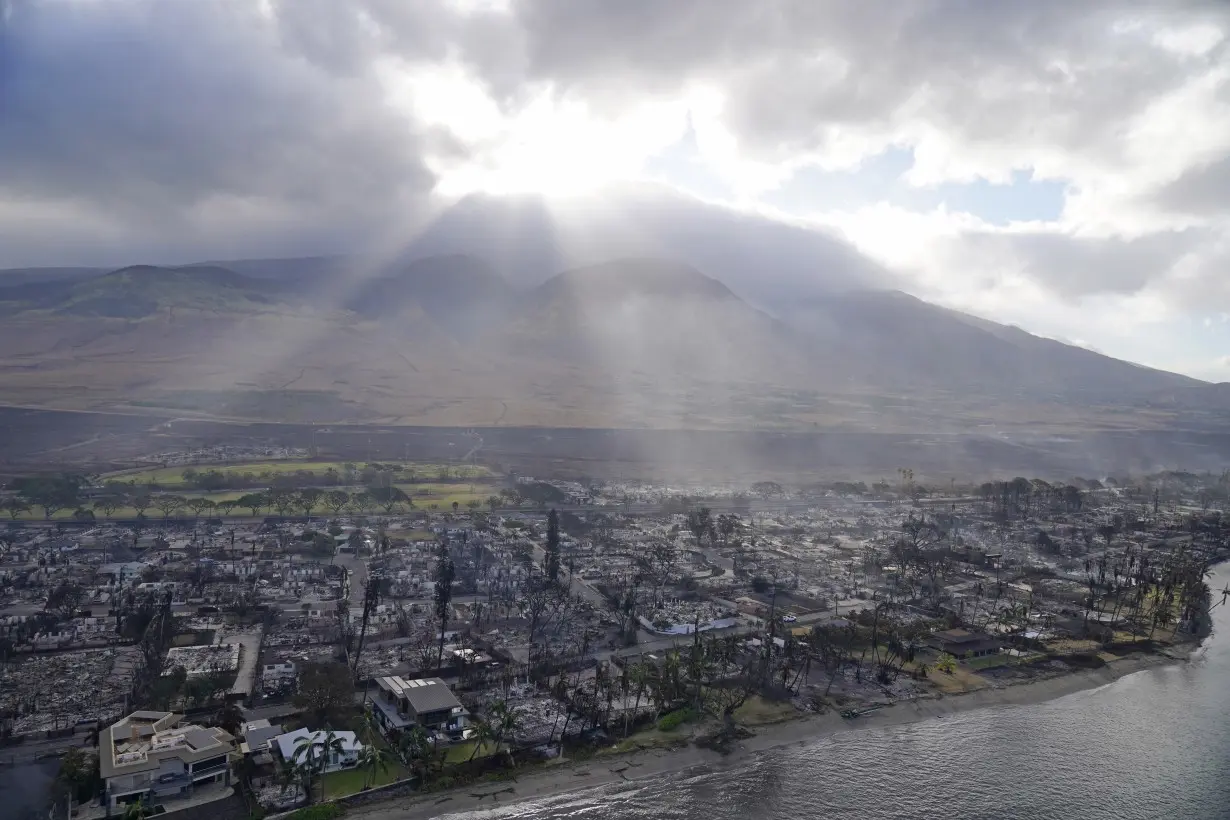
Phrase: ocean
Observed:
(1155, 744)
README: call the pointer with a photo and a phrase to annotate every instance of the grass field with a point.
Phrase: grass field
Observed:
(462, 751)
(172, 476)
(349, 781)
(423, 495)
(478, 485)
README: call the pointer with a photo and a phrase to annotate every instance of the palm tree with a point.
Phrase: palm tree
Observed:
(287, 775)
(313, 753)
(367, 723)
(135, 810)
(375, 760)
(414, 750)
(505, 722)
(482, 733)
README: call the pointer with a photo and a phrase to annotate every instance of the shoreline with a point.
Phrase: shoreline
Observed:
(627, 768)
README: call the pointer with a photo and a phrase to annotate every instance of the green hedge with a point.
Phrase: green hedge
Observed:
(675, 719)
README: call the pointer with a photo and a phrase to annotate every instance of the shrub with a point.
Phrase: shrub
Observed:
(675, 719)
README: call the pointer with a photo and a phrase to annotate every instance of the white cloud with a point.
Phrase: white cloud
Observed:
(293, 122)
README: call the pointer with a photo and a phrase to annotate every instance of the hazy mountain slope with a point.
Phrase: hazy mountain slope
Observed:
(141, 290)
(11, 277)
(910, 342)
(635, 342)
(459, 294)
(655, 318)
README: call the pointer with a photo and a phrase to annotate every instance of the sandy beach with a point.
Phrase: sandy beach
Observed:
(566, 776)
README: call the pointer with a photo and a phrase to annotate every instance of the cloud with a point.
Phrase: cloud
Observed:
(765, 258)
(242, 127)
(1202, 191)
(196, 123)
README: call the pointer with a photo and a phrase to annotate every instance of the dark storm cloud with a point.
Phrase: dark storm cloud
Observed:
(178, 128)
(190, 118)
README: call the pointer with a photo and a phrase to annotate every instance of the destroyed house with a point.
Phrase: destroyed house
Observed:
(154, 756)
(429, 703)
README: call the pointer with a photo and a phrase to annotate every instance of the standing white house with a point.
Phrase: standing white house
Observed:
(288, 746)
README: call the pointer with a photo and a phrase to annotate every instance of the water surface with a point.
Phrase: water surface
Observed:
(1155, 744)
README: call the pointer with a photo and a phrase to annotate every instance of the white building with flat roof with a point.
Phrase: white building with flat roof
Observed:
(155, 756)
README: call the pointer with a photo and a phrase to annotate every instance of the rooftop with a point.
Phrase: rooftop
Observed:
(423, 695)
(137, 742)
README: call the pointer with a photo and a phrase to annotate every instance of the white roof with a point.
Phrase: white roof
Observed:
(288, 742)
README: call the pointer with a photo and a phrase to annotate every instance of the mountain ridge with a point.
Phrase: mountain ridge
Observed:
(629, 341)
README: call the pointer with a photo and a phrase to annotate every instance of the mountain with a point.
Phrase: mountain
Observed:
(633, 341)
(652, 321)
(911, 342)
(141, 290)
(458, 293)
(12, 277)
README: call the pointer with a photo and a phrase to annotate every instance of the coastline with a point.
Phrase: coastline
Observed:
(627, 768)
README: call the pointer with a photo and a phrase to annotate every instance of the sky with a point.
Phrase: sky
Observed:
(1063, 166)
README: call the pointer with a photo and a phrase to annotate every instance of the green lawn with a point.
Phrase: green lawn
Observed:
(171, 476)
(462, 751)
(425, 494)
(349, 781)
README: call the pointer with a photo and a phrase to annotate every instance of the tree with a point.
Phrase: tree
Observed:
(700, 523)
(15, 506)
(168, 504)
(541, 602)
(445, 573)
(483, 733)
(325, 688)
(108, 504)
(52, 493)
(946, 663)
(141, 502)
(282, 501)
(65, 600)
(230, 719)
(414, 749)
(307, 499)
(199, 505)
(335, 500)
(505, 722)
(227, 507)
(76, 772)
(552, 549)
(254, 502)
(313, 752)
(360, 502)
(389, 497)
(374, 759)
